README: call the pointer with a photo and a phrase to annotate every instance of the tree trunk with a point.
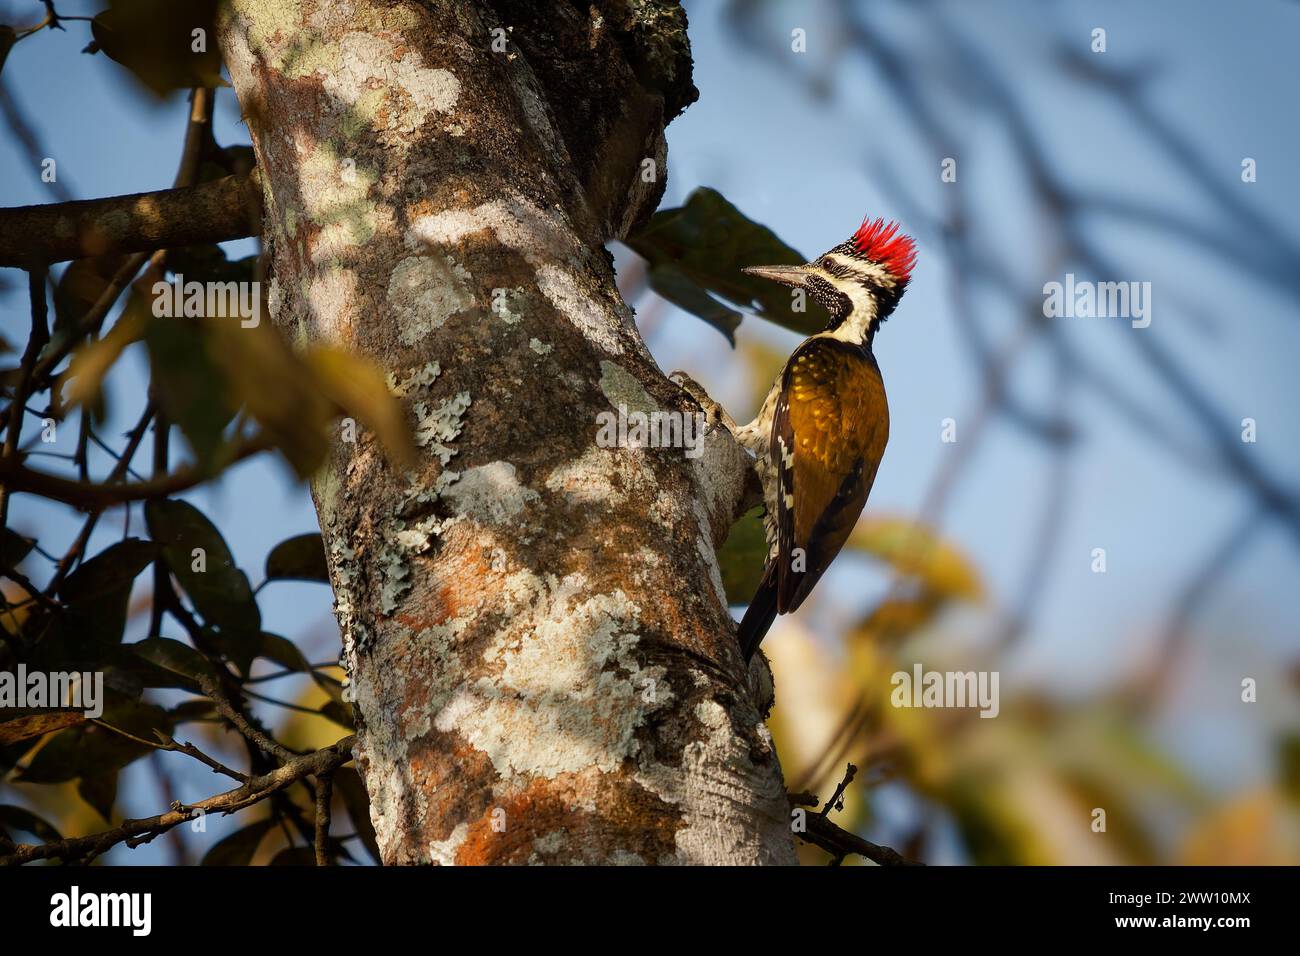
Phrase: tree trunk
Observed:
(542, 661)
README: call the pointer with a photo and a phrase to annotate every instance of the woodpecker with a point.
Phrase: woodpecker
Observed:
(821, 433)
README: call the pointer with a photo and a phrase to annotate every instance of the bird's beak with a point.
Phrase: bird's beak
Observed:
(786, 275)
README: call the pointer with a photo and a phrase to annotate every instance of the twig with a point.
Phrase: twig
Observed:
(123, 466)
(136, 832)
(324, 790)
(98, 497)
(169, 744)
(40, 335)
(834, 802)
(839, 842)
(834, 839)
(89, 324)
(227, 710)
(33, 592)
(299, 708)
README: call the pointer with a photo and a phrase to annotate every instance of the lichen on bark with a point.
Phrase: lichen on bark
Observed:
(543, 668)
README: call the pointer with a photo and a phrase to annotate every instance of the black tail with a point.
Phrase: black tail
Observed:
(759, 615)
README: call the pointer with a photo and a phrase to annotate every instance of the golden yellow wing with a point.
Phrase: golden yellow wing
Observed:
(828, 436)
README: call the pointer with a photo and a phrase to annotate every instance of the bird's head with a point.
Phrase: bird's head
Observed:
(859, 281)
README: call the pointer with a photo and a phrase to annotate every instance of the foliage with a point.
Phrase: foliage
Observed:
(156, 40)
(696, 252)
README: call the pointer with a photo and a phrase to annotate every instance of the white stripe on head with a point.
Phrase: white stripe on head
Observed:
(869, 271)
(859, 322)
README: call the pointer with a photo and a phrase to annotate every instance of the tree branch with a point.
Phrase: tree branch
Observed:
(837, 841)
(135, 832)
(232, 714)
(96, 497)
(216, 211)
(324, 790)
(36, 341)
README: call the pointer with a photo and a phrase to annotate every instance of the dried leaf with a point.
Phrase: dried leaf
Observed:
(358, 387)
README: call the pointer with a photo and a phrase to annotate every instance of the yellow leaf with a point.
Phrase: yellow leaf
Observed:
(913, 549)
(895, 618)
(276, 387)
(91, 362)
(357, 386)
(1258, 828)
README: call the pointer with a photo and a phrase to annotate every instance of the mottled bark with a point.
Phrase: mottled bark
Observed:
(543, 664)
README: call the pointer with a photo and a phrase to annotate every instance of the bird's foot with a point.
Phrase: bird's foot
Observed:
(714, 414)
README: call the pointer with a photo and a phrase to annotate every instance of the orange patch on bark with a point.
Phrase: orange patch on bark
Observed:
(627, 818)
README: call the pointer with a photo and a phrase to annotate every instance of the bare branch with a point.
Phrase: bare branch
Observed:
(324, 790)
(40, 335)
(227, 710)
(165, 742)
(834, 839)
(136, 832)
(216, 211)
(97, 497)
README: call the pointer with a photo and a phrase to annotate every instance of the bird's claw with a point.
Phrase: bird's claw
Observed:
(713, 412)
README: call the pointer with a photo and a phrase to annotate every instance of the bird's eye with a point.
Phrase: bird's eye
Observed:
(826, 263)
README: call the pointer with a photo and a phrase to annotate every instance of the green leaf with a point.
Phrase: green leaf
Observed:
(295, 856)
(696, 252)
(14, 547)
(357, 386)
(90, 749)
(242, 647)
(914, 549)
(300, 558)
(219, 590)
(682, 291)
(347, 783)
(100, 791)
(238, 848)
(97, 593)
(239, 647)
(174, 664)
(191, 389)
(93, 360)
(154, 39)
(210, 263)
(80, 285)
(283, 652)
(190, 711)
(339, 712)
(275, 387)
(14, 818)
(64, 644)
(743, 556)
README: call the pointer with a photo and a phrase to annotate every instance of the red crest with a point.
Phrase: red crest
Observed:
(882, 242)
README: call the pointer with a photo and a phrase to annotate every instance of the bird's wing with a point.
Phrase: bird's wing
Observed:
(828, 436)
